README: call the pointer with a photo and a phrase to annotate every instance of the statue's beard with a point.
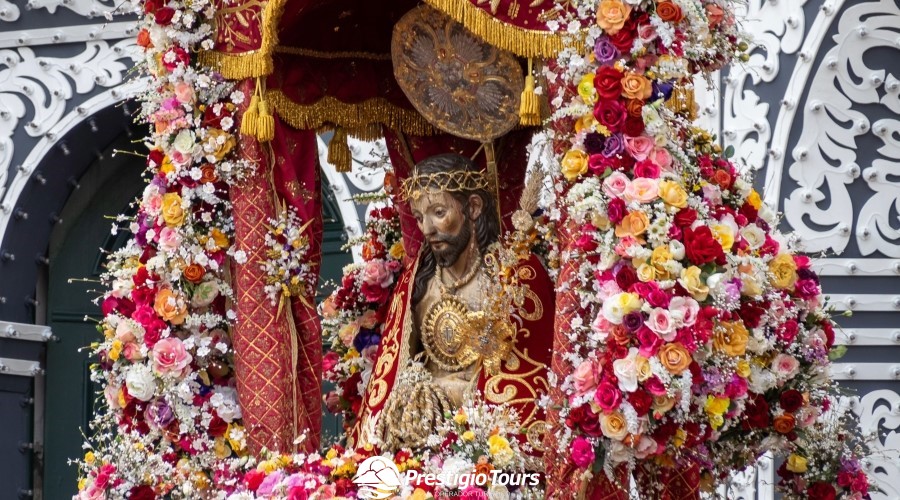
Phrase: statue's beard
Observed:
(455, 245)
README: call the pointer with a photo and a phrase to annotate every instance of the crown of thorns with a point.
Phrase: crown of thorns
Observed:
(448, 182)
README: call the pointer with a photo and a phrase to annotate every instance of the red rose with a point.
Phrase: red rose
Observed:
(770, 247)
(700, 246)
(297, 493)
(641, 402)
(669, 12)
(788, 331)
(634, 126)
(623, 39)
(685, 217)
(163, 16)
(646, 168)
(616, 210)
(821, 491)
(749, 212)
(253, 479)
(611, 114)
(791, 400)
(175, 57)
(143, 492)
(608, 82)
(757, 413)
(150, 6)
(828, 328)
(217, 426)
(626, 277)
(608, 396)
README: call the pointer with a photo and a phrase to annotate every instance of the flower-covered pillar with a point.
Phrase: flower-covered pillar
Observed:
(277, 342)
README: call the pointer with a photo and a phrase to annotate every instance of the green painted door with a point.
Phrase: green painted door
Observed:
(71, 397)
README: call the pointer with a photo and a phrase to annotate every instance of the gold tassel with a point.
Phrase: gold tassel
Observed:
(249, 122)
(265, 130)
(529, 109)
(339, 151)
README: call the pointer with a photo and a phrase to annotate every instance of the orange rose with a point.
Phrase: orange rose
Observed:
(731, 338)
(675, 357)
(143, 39)
(784, 423)
(614, 426)
(722, 179)
(714, 14)
(612, 15)
(193, 273)
(635, 107)
(483, 469)
(170, 306)
(208, 174)
(636, 86)
(669, 12)
(633, 224)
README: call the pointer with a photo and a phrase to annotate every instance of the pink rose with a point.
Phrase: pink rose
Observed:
(329, 361)
(376, 273)
(169, 239)
(661, 323)
(608, 289)
(586, 376)
(642, 190)
(647, 33)
(639, 147)
(615, 185)
(184, 92)
(654, 386)
(647, 169)
(132, 352)
(785, 366)
(650, 342)
(661, 157)
(582, 452)
(685, 310)
(125, 332)
(601, 327)
(608, 396)
(170, 356)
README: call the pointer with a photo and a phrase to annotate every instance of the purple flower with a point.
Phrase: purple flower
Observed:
(159, 414)
(613, 145)
(604, 51)
(660, 87)
(733, 290)
(593, 143)
(633, 321)
(267, 487)
(365, 338)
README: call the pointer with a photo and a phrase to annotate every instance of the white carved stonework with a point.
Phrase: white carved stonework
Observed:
(879, 415)
(826, 158)
(776, 28)
(45, 84)
(88, 8)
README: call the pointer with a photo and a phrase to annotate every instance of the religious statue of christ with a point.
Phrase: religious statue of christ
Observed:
(441, 345)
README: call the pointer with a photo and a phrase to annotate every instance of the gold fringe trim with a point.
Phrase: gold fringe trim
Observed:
(319, 54)
(255, 63)
(520, 41)
(359, 119)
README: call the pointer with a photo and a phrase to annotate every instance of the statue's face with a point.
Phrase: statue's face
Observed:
(446, 224)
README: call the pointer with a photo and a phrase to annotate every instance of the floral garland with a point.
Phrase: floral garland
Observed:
(287, 270)
(165, 359)
(703, 334)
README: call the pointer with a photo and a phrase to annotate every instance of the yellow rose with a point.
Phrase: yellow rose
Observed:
(115, 350)
(497, 444)
(731, 338)
(574, 164)
(221, 448)
(222, 142)
(646, 272)
(612, 15)
(468, 436)
(750, 286)
(460, 418)
(167, 167)
(672, 194)
(644, 371)
(268, 466)
(784, 271)
(397, 251)
(634, 224)
(219, 239)
(716, 405)
(89, 457)
(724, 235)
(170, 306)
(661, 255)
(586, 89)
(743, 368)
(690, 280)
(172, 212)
(675, 357)
(236, 437)
(662, 404)
(614, 426)
(754, 200)
(796, 464)
(636, 86)
(600, 221)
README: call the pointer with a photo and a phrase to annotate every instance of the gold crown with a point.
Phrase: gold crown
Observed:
(448, 182)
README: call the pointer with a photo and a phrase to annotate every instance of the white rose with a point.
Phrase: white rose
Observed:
(754, 235)
(626, 371)
(224, 400)
(140, 382)
(676, 248)
(184, 142)
(453, 468)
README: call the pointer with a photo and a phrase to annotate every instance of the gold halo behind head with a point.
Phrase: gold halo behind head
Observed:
(461, 84)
